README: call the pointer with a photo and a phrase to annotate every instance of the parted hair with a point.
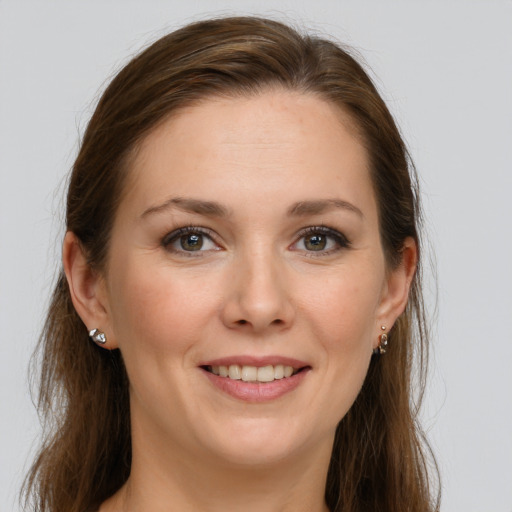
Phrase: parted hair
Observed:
(380, 460)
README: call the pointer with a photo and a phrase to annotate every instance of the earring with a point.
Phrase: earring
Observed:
(383, 342)
(98, 337)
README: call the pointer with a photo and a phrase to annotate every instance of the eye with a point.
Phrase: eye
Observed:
(189, 239)
(322, 240)
(316, 242)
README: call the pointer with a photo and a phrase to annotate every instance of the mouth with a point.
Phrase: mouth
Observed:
(256, 379)
(260, 374)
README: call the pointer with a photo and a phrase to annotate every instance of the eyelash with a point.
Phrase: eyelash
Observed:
(342, 242)
(174, 236)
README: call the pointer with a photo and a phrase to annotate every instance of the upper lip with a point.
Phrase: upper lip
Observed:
(259, 361)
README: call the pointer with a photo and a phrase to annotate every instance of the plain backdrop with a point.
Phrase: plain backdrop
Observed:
(445, 69)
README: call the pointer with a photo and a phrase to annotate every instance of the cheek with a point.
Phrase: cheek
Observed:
(343, 310)
(342, 318)
(158, 310)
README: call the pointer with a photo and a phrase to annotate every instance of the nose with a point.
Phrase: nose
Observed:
(259, 295)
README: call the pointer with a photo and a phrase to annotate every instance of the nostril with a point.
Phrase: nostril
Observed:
(242, 322)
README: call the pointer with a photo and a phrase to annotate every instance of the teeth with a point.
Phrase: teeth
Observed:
(253, 373)
(266, 374)
(249, 373)
(235, 372)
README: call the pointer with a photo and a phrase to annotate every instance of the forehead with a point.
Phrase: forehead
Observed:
(264, 143)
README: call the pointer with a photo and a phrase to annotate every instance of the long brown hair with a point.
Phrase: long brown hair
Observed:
(378, 460)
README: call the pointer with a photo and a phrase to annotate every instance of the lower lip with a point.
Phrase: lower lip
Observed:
(256, 391)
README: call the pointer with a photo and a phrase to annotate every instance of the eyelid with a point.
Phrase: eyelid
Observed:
(341, 240)
(171, 237)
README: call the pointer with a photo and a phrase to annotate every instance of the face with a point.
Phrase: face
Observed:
(247, 248)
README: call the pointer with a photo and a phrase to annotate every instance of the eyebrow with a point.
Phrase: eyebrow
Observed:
(322, 206)
(207, 208)
(214, 209)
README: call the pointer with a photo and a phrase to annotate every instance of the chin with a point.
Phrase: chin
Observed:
(258, 441)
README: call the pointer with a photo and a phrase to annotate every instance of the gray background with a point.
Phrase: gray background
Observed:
(445, 69)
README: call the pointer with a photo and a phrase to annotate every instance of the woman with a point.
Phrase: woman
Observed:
(240, 299)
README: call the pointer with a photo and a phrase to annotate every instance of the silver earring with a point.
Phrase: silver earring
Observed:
(98, 337)
(383, 342)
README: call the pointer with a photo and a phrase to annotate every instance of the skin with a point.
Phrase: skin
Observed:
(255, 288)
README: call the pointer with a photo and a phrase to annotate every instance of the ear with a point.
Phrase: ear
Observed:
(86, 287)
(396, 289)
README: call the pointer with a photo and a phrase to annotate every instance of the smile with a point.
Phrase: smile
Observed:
(256, 379)
(247, 373)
